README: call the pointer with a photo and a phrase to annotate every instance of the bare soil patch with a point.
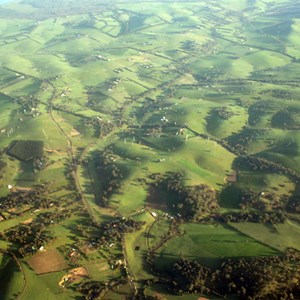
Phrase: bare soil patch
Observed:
(48, 261)
(74, 275)
(74, 132)
(28, 221)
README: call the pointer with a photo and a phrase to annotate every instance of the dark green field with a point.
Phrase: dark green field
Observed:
(152, 148)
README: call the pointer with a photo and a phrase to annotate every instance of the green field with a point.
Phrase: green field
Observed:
(279, 236)
(209, 244)
(103, 104)
(12, 281)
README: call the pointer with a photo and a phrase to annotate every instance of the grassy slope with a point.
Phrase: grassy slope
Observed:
(209, 244)
(51, 48)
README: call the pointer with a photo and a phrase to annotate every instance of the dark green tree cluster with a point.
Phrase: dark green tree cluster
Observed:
(110, 174)
(101, 127)
(256, 111)
(50, 218)
(279, 94)
(223, 112)
(28, 238)
(275, 277)
(189, 45)
(114, 230)
(190, 203)
(27, 104)
(37, 198)
(261, 278)
(92, 289)
(208, 75)
(293, 204)
(97, 289)
(251, 199)
(109, 232)
(242, 140)
(190, 277)
(140, 295)
(284, 119)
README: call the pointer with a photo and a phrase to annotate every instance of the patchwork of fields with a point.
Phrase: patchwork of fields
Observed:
(135, 136)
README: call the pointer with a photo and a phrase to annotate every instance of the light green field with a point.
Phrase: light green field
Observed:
(224, 128)
(209, 244)
(277, 236)
(12, 282)
(198, 159)
(266, 183)
(46, 284)
(136, 249)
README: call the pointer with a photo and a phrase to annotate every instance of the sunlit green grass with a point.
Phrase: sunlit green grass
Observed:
(209, 244)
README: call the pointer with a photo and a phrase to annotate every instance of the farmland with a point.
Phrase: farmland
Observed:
(149, 150)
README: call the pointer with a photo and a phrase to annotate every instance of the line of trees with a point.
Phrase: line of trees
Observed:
(273, 217)
(256, 163)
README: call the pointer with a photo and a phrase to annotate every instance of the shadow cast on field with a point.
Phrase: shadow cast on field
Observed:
(164, 263)
(85, 223)
(230, 197)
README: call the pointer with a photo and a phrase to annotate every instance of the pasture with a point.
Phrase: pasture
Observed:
(209, 244)
(112, 96)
